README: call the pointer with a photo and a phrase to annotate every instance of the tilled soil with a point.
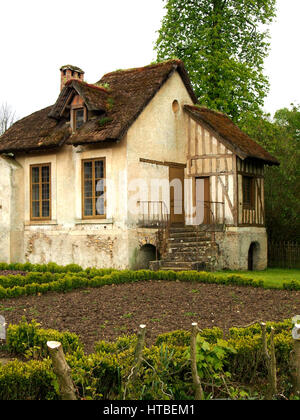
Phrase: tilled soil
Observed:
(110, 311)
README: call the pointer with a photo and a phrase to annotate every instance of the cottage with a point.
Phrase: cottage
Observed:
(131, 170)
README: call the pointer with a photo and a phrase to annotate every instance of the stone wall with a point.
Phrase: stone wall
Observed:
(234, 246)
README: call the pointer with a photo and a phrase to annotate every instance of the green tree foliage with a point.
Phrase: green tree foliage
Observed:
(280, 137)
(223, 44)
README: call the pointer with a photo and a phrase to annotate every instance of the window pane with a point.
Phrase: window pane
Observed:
(35, 192)
(100, 206)
(45, 174)
(88, 207)
(45, 209)
(88, 189)
(45, 191)
(99, 187)
(35, 209)
(99, 173)
(79, 117)
(247, 191)
(88, 174)
(35, 175)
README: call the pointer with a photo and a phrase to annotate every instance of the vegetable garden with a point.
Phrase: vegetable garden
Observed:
(231, 361)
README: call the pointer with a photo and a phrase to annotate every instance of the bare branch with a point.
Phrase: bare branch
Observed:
(7, 117)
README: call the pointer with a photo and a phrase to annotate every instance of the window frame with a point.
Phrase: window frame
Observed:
(249, 205)
(40, 183)
(74, 110)
(93, 216)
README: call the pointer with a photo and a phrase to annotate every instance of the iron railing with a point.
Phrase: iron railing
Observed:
(210, 213)
(155, 214)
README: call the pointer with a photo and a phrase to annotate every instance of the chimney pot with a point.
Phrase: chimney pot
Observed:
(69, 72)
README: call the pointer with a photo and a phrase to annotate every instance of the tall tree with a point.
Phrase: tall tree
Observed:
(7, 117)
(223, 44)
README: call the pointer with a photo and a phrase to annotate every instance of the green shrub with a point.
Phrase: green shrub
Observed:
(42, 278)
(293, 285)
(28, 337)
(165, 372)
(96, 376)
(183, 338)
(33, 380)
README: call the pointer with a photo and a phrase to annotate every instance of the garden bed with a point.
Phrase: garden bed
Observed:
(113, 310)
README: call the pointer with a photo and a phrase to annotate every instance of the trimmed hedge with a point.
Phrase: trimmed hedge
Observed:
(33, 380)
(28, 336)
(43, 278)
(42, 282)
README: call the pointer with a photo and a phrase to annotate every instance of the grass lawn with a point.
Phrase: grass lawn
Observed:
(272, 277)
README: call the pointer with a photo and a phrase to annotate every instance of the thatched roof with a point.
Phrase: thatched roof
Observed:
(230, 134)
(130, 92)
(35, 132)
(114, 103)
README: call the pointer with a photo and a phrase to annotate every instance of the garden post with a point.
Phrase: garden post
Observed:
(270, 359)
(199, 394)
(62, 370)
(296, 370)
(139, 350)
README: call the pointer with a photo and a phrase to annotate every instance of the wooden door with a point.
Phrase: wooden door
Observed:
(202, 200)
(176, 178)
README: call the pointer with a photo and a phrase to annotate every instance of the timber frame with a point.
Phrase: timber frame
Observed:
(210, 155)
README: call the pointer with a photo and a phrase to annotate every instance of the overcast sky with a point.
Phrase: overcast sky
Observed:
(38, 37)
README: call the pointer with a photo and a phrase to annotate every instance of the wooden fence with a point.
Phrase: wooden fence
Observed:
(283, 254)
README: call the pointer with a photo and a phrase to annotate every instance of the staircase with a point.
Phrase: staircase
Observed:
(190, 248)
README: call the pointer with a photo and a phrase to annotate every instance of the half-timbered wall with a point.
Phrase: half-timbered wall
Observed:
(207, 156)
(255, 170)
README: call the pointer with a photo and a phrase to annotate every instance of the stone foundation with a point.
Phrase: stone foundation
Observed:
(234, 245)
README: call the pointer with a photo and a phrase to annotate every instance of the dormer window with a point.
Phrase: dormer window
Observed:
(79, 117)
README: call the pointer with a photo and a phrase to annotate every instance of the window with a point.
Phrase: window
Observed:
(248, 192)
(78, 118)
(40, 192)
(93, 186)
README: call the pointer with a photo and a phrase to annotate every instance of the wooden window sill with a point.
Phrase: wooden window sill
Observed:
(40, 222)
(94, 222)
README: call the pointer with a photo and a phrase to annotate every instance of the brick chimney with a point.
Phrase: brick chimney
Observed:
(69, 72)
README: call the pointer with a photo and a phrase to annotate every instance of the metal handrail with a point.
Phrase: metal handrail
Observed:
(163, 214)
(162, 223)
(208, 205)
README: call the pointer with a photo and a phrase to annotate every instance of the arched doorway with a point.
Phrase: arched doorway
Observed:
(253, 256)
(146, 254)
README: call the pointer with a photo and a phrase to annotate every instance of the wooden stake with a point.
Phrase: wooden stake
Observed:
(139, 350)
(296, 358)
(270, 359)
(199, 394)
(273, 368)
(61, 370)
(297, 366)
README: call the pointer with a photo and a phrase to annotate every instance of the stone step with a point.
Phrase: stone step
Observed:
(189, 246)
(183, 229)
(188, 240)
(199, 228)
(192, 256)
(190, 234)
(185, 266)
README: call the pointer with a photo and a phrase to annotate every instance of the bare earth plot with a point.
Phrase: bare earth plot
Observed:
(106, 313)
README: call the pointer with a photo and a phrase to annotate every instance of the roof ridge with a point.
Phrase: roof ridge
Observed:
(91, 85)
(148, 66)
